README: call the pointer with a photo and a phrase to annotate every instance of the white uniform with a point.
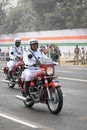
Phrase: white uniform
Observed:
(29, 73)
(14, 53)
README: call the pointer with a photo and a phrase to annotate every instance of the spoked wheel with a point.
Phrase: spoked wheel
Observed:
(11, 83)
(28, 103)
(56, 102)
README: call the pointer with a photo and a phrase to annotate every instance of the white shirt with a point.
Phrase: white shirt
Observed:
(15, 51)
(30, 61)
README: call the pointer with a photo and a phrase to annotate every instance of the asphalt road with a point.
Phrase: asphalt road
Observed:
(15, 116)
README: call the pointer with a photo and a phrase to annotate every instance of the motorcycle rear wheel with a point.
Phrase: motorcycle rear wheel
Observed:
(56, 103)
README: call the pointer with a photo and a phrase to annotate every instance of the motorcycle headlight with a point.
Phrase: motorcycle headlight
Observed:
(50, 71)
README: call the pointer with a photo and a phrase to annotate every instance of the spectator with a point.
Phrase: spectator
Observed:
(82, 55)
(76, 55)
(58, 53)
(53, 53)
(86, 56)
(47, 51)
(0, 54)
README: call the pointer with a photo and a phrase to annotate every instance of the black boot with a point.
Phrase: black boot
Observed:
(27, 83)
(9, 76)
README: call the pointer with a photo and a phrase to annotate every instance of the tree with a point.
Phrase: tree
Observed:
(38, 15)
(20, 19)
(2, 18)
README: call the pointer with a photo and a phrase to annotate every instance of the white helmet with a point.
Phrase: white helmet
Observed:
(17, 42)
(33, 41)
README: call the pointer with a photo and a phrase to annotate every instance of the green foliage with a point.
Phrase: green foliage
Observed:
(2, 19)
(37, 15)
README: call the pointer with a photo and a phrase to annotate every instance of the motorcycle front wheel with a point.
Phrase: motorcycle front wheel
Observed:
(55, 104)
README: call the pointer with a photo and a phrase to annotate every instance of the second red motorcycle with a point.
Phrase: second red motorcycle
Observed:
(16, 74)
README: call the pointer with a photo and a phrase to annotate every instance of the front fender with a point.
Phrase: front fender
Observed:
(54, 84)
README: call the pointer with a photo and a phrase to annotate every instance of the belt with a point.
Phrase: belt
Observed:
(31, 67)
(12, 59)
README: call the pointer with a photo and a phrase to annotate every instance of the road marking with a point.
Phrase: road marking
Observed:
(64, 71)
(82, 68)
(24, 121)
(79, 80)
(70, 90)
(18, 120)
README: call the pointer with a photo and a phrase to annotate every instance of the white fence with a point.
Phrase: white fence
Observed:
(65, 39)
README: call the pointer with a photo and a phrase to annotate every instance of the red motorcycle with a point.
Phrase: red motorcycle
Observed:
(16, 74)
(43, 89)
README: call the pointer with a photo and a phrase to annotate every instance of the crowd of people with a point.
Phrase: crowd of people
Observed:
(80, 55)
(53, 51)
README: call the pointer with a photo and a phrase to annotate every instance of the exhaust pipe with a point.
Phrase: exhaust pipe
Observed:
(6, 81)
(3, 69)
(21, 98)
(9, 82)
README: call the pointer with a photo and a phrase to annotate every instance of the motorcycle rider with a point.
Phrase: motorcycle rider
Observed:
(15, 53)
(30, 58)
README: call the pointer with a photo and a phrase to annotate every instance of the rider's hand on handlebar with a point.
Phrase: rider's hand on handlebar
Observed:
(38, 63)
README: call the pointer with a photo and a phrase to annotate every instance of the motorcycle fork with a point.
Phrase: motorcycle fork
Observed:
(46, 83)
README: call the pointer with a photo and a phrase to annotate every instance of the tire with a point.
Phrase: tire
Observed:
(11, 83)
(56, 103)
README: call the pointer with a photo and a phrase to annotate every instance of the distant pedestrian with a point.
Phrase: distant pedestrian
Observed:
(76, 55)
(47, 50)
(82, 55)
(58, 53)
(53, 53)
(86, 56)
(0, 54)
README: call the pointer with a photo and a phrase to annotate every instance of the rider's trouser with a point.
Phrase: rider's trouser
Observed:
(28, 76)
(27, 83)
(10, 74)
